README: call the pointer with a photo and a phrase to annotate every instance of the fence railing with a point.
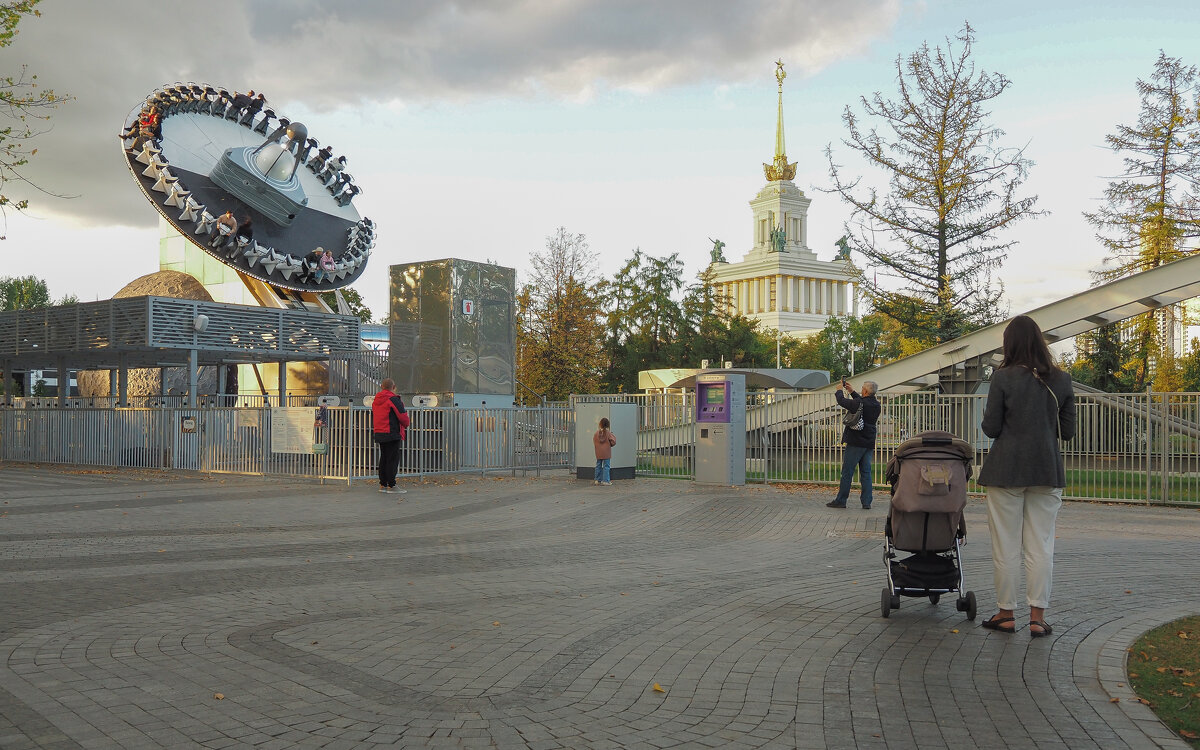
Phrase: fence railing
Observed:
(1142, 447)
(290, 441)
(1130, 447)
(178, 401)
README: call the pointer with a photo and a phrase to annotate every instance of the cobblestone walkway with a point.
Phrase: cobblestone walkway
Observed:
(152, 611)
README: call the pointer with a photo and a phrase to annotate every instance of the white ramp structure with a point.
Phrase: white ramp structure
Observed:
(1080, 313)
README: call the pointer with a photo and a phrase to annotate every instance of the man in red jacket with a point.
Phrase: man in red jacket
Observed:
(389, 421)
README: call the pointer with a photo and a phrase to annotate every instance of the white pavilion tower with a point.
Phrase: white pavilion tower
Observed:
(780, 282)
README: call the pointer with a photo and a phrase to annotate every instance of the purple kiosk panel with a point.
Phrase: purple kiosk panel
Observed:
(712, 401)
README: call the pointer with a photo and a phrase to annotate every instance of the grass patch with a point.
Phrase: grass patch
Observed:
(1164, 670)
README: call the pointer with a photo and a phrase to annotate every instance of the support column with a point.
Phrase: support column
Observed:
(162, 387)
(193, 379)
(112, 388)
(780, 294)
(8, 382)
(808, 294)
(283, 383)
(854, 297)
(222, 374)
(122, 381)
(64, 382)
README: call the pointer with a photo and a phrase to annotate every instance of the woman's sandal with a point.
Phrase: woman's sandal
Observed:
(995, 622)
(1045, 629)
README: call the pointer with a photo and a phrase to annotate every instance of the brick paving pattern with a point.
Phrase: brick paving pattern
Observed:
(541, 613)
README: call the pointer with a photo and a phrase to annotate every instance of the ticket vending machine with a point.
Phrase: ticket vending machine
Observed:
(721, 428)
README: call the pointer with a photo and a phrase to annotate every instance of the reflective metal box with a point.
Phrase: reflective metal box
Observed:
(452, 328)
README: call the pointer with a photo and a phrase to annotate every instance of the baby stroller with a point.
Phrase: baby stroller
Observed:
(928, 474)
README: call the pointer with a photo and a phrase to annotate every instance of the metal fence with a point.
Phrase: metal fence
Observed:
(253, 440)
(1129, 447)
(1142, 447)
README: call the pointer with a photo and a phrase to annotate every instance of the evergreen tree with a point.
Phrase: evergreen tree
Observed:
(646, 327)
(1105, 364)
(952, 187)
(1151, 209)
(1189, 368)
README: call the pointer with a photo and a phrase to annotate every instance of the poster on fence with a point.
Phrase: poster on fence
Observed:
(292, 430)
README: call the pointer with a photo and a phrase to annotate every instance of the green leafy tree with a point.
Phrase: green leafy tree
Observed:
(1151, 210)
(354, 300)
(559, 320)
(25, 104)
(23, 293)
(830, 349)
(952, 187)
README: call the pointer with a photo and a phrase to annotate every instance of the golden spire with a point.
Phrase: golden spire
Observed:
(779, 169)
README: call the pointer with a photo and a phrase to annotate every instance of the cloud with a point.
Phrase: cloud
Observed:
(330, 55)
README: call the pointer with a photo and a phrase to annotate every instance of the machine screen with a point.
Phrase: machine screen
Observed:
(715, 394)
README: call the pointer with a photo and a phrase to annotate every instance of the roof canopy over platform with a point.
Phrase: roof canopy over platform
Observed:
(163, 332)
(792, 379)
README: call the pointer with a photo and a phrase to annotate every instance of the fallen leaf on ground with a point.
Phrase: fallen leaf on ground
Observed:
(1114, 700)
(658, 688)
(219, 696)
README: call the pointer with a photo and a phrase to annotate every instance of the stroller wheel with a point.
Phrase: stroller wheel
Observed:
(895, 601)
(885, 603)
(935, 598)
(971, 605)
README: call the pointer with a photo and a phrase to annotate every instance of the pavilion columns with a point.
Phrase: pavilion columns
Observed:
(780, 294)
(283, 383)
(854, 297)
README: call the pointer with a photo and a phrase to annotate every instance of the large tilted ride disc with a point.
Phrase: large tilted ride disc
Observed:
(198, 152)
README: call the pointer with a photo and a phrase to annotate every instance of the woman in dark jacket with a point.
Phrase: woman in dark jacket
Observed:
(1030, 408)
(389, 421)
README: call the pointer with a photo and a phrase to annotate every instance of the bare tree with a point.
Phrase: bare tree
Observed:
(23, 102)
(560, 331)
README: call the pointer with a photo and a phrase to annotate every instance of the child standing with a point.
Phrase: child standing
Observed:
(603, 441)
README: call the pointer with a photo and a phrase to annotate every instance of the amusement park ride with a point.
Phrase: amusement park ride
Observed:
(251, 188)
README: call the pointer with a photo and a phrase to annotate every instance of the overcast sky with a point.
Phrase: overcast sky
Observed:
(478, 128)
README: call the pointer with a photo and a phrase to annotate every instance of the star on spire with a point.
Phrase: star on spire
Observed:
(779, 168)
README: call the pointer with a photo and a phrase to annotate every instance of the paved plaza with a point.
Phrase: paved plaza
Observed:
(146, 610)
